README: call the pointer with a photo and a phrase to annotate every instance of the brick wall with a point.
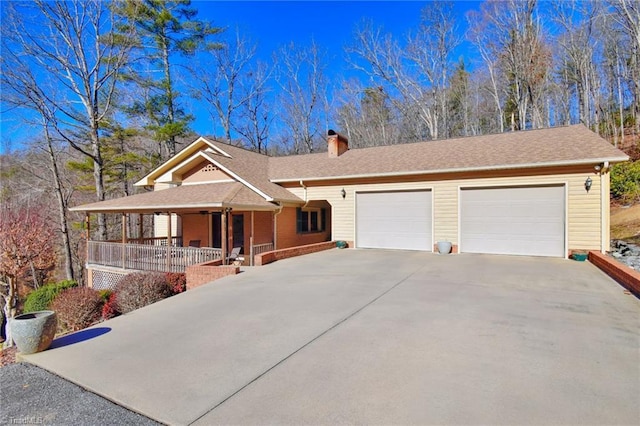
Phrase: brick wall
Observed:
(196, 227)
(627, 277)
(287, 233)
(262, 228)
(203, 273)
(272, 256)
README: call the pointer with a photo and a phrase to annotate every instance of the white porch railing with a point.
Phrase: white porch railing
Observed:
(259, 248)
(151, 241)
(145, 257)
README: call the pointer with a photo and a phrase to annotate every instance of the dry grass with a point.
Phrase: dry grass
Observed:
(625, 223)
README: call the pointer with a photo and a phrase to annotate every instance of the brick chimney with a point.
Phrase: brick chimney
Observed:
(338, 144)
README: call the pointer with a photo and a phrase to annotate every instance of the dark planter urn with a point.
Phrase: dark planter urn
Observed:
(34, 332)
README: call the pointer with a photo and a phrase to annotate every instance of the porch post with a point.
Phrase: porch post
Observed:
(169, 238)
(124, 240)
(87, 221)
(223, 231)
(251, 241)
(230, 243)
(140, 228)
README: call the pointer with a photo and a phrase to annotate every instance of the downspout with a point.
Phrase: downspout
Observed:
(275, 224)
(604, 208)
(306, 201)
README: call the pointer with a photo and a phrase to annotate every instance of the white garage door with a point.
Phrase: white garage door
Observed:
(394, 220)
(525, 221)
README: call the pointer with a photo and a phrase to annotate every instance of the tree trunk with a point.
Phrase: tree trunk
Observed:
(62, 210)
(98, 176)
(168, 87)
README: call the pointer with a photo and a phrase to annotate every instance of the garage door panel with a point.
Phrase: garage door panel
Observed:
(394, 220)
(525, 221)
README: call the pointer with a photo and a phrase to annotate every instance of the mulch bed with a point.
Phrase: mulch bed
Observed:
(8, 356)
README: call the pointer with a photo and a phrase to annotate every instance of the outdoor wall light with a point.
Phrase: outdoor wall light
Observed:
(587, 184)
(343, 193)
(157, 213)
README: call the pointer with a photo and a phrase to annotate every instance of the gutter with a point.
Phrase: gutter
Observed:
(457, 170)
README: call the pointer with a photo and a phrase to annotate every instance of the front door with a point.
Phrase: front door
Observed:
(238, 231)
(216, 229)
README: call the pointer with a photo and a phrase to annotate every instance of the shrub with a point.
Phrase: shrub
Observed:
(177, 281)
(110, 308)
(40, 299)
(140, 289)
(105, 294)
(77, 308)
(625, 181)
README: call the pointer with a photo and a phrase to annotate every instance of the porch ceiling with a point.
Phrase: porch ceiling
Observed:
(185, 198)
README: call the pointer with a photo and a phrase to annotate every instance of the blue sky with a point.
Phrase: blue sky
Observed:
(273, 24)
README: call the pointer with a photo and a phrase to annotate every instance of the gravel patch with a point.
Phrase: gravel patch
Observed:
(31, 395)
(626, 253)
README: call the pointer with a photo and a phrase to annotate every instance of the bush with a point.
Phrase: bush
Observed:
(625, 181)
(40, 299)
(105, 294)
(110, 308)
(77, 308)
(177, 281)
(140, 289)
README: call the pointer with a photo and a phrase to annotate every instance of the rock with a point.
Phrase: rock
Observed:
(616, 255)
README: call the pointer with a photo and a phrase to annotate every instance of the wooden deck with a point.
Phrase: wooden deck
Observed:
(153, 254)
(148, 257)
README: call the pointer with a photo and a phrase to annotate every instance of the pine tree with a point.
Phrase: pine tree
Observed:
(164, 30)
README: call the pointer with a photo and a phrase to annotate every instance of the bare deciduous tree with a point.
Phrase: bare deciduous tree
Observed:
(74, 49)
(300, 75)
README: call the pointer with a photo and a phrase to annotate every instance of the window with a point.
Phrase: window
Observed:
(310, 220)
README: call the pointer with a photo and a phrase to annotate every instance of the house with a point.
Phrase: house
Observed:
(537, 192)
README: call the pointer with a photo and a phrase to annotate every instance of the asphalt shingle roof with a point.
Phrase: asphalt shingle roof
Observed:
(544, 147)
(553, 146)
(185, 197)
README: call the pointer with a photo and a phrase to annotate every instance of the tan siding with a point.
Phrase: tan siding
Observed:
(160, 225)
(160, 221)
(198, 174)
(583, 208)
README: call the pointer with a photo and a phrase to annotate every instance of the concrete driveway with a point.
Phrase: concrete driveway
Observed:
(372, 336)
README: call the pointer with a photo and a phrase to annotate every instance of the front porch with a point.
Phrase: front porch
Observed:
(138, 256)
(182, 239)
(194, 225)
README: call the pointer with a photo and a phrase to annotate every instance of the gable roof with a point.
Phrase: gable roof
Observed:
(252, 169)
(523, 149)
(186, 197)
(247, 167)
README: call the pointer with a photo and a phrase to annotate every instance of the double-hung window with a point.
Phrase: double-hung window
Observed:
(310, 220)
